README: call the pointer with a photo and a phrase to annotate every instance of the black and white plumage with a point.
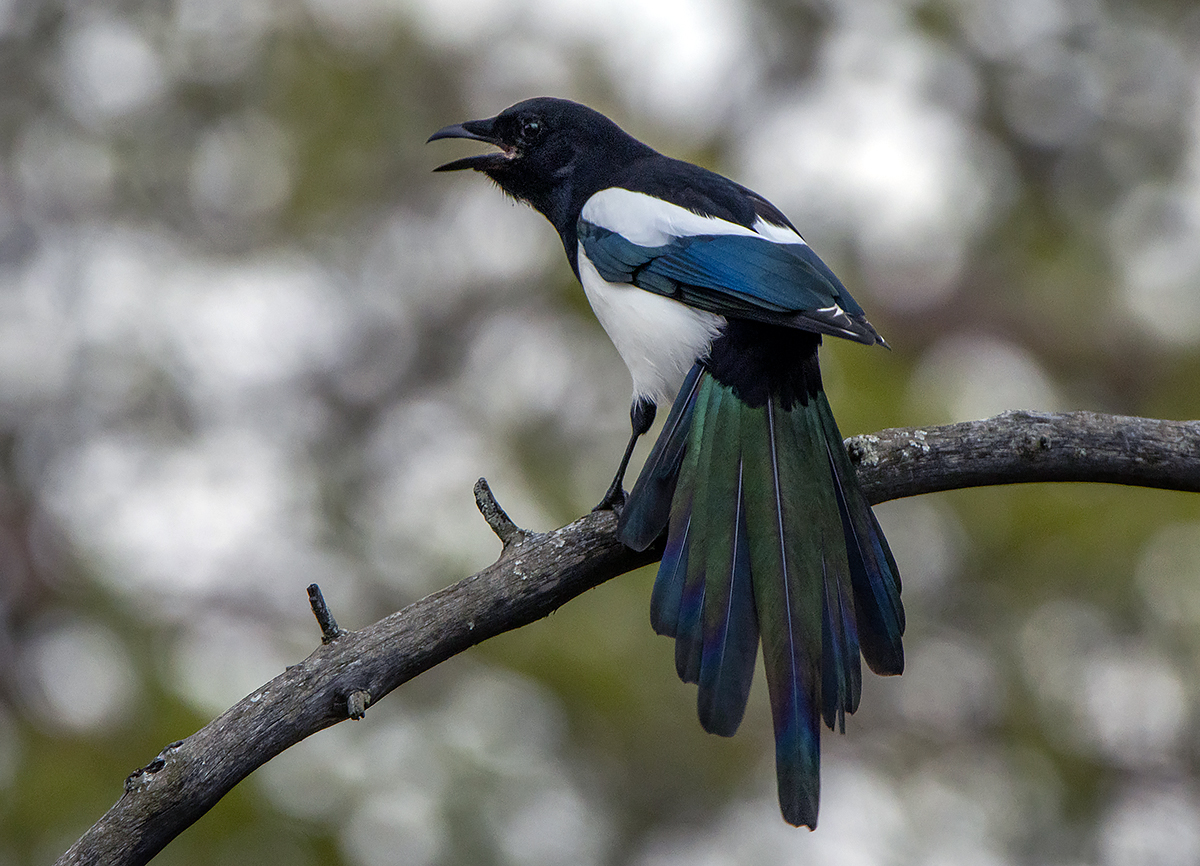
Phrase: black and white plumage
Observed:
(717, 306)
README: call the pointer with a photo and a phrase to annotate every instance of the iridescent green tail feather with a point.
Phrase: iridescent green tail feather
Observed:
(768, 535)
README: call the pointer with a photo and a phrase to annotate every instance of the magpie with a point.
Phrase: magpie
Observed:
(717, 306)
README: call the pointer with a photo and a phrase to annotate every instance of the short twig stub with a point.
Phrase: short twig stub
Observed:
(507, 531)
(330, 630)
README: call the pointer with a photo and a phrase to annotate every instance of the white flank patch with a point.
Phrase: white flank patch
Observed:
(652, 222)
(657, 337)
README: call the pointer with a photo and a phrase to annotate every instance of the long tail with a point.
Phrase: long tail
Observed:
(768, 534)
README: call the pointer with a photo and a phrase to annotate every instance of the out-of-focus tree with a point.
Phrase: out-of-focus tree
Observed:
(248, 342)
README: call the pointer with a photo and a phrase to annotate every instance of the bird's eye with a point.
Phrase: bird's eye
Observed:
(531, 128)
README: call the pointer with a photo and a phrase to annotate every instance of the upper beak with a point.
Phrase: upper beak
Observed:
(475, 130)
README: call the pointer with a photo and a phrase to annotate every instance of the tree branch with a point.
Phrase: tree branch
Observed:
(538, 572)
(1022, 447)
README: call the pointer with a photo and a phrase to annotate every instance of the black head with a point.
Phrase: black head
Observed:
(554, 153)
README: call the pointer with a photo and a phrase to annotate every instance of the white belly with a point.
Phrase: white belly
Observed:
(658, 338)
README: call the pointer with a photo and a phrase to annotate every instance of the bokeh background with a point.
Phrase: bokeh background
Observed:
(248, 341)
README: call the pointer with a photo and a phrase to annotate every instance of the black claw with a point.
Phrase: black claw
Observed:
(614, 500)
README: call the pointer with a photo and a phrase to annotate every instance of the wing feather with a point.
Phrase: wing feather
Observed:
(739, 275)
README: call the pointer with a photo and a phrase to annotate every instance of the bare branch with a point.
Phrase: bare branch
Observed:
(1022, 447)
(537, 573)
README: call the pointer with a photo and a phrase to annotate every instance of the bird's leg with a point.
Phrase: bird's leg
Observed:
(641, 416)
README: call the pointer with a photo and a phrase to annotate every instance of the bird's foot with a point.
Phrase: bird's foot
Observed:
(614, 499)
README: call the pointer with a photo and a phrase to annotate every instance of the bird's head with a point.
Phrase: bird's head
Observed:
(553, 153)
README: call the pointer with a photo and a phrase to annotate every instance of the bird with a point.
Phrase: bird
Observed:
(718, 306)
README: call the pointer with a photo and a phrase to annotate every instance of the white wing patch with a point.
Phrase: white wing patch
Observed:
(657, 337)
(778, 234)
(652, 222)
(835, 315)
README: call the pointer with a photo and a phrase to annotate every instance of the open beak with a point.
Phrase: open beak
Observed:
(475, 130)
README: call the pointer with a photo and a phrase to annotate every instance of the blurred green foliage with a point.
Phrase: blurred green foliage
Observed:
(132, 198)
